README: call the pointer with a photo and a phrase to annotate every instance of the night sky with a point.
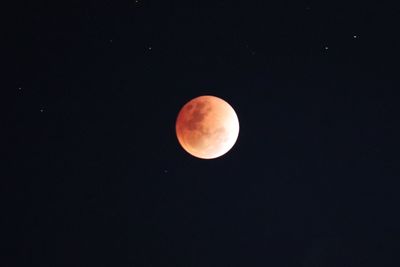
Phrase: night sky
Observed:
(100, 179)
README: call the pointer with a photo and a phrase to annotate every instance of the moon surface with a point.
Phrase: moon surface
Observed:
(207, 127)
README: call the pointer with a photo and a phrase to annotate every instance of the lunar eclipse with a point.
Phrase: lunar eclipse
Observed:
(207, 127)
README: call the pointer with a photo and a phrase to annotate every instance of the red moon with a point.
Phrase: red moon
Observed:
(207, 127)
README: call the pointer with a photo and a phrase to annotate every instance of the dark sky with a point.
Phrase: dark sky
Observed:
(100, 179)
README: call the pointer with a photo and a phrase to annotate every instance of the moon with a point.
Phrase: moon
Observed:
(207, 127)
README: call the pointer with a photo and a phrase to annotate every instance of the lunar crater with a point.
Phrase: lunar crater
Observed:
(197, 116)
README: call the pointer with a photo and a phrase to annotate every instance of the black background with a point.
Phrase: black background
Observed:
(102, 181)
